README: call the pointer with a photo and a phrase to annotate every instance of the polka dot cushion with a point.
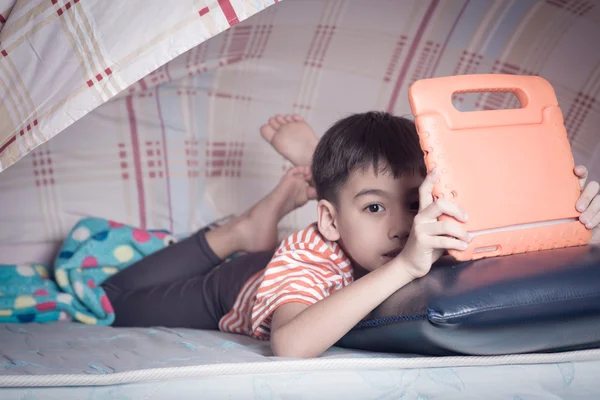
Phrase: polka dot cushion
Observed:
(94, 250)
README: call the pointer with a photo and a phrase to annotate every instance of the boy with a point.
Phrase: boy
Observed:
(377, 221)
(367, 171)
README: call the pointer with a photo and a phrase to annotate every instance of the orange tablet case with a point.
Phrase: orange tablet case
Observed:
(510, 169)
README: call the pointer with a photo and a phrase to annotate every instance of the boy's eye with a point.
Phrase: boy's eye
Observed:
(374, 208)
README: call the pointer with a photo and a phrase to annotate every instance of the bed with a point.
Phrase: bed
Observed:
(58, 361)
(160, 131)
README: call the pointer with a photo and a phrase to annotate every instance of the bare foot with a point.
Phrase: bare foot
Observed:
(257, 227)
(292, 137)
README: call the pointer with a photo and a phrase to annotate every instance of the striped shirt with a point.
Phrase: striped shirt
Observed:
(306, 268)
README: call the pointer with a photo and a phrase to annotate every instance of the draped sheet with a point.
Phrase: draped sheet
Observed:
(180, 146)
(60, 59)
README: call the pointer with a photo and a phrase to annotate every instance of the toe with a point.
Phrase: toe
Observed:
(274, 124)
(281, 119)
(308, 174)
(295, 171)
(288, 118)
(291, 171)
(267, 132)
(297, 118)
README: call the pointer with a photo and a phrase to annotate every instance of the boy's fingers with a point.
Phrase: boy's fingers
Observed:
(593, 209)
(588, 194)
(426, 190)
(581, 171)
(447, 243)
(594, 222)
(450, 228)
(436, 209)
(582, 174)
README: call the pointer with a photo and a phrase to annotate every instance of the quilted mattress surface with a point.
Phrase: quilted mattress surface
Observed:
(67, 360)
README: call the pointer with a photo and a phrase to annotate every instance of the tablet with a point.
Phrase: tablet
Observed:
(510, 169)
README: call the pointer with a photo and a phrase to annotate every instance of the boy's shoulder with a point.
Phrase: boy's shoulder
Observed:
(311, 239)
(308, 249)
(307, 235)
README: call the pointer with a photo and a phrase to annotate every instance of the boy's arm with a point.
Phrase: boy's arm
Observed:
(301, 331)
(298, 330)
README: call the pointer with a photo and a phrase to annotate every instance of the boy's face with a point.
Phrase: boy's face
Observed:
(375, 214)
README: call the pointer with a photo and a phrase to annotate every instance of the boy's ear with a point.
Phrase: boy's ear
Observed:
(327, 222)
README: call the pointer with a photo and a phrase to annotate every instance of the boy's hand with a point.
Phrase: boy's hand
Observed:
(588, 203)
(429, 237)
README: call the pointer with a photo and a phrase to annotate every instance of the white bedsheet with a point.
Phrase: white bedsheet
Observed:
(64, 361)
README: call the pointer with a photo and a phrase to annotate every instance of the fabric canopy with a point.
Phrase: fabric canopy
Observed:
(60, 59)
(170, 139)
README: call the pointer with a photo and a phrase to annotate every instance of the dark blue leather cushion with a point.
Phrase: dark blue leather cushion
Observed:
(538, 302)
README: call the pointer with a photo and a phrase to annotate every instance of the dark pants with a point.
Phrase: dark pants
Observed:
(184, 285)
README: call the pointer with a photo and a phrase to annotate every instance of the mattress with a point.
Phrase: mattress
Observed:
(68, 360)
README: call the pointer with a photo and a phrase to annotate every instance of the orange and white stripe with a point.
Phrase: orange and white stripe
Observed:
(306, 268)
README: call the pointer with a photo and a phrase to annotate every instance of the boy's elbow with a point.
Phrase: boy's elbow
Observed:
(284, 345)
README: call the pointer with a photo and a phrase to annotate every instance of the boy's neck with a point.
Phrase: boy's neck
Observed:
(359, 271)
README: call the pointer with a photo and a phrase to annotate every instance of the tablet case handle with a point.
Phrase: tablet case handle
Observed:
(534, 93)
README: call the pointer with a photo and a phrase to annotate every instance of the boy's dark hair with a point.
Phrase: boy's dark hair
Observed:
(378, 139)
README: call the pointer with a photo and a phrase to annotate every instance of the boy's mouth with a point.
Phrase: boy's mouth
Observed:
(397, 250)
(393, 253)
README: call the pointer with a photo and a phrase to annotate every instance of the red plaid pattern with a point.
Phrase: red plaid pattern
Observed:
(154, 159)
(426, 60)
(578, 113)
(180, 146)
(125, 163)
(192, 151)
(318, 48)
(224, 159)
(43, 171)
(577, 7)
(95, 67)
(400, 45)
(229, 12)
(411, 54)
(203, 11)
(469, 63)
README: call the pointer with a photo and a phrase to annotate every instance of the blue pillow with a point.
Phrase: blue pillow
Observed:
(545, 301)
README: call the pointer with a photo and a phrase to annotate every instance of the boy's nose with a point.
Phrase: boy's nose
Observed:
(400, 227)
